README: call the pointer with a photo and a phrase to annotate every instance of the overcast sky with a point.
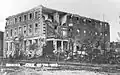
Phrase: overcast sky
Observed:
(89, 8)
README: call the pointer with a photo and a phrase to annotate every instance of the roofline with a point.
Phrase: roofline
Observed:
(37, 7)
(41, 6)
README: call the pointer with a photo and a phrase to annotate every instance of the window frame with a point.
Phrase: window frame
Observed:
(19, 32)
(29, 29)
(16, 20)
(15, 31)
(20, 19)
(24, 30)
(30, 16)
(36, 28)
(25, 17)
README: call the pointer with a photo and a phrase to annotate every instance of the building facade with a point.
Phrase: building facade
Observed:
(54, 28)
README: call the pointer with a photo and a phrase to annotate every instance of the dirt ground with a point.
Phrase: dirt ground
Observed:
(54, 73)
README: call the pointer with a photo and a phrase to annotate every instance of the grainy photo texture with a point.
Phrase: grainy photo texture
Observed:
(60, 37)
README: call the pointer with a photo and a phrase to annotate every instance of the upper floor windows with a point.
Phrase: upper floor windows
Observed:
(25, 17)
(36, 27)
(20, 30)
(15, 20)
(25, 30)
(84, 20)
(30, 29)
(30, 16)
(36, 14)
(106, 25)
(20, 19)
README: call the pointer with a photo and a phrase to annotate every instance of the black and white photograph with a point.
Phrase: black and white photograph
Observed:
(60, 37)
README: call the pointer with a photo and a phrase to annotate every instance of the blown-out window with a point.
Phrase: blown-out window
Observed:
(20, 19)
(36, 27)
(36, 14)
(30, 16)
(15, 20)
(25, 17)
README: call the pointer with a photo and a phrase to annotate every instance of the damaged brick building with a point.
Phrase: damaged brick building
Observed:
(54, 28)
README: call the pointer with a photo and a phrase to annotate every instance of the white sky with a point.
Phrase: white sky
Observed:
(89, 8)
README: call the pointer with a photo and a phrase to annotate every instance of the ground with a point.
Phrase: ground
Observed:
(65, 67)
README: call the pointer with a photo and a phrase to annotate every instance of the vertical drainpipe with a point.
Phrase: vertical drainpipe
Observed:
(40, 27)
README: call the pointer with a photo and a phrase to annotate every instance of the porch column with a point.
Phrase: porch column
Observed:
(61, 44)
(55, 44)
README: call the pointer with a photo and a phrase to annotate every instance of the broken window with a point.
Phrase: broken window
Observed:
(20, 19)
(15, 20)
(30, 16)
(36, 27)
(25, 17)
(50, 18)
(36, 14)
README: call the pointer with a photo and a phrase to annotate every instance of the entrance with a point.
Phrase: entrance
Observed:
(48, 48)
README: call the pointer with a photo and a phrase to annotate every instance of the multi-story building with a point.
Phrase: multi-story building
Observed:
(55, 28)
(1, 43)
